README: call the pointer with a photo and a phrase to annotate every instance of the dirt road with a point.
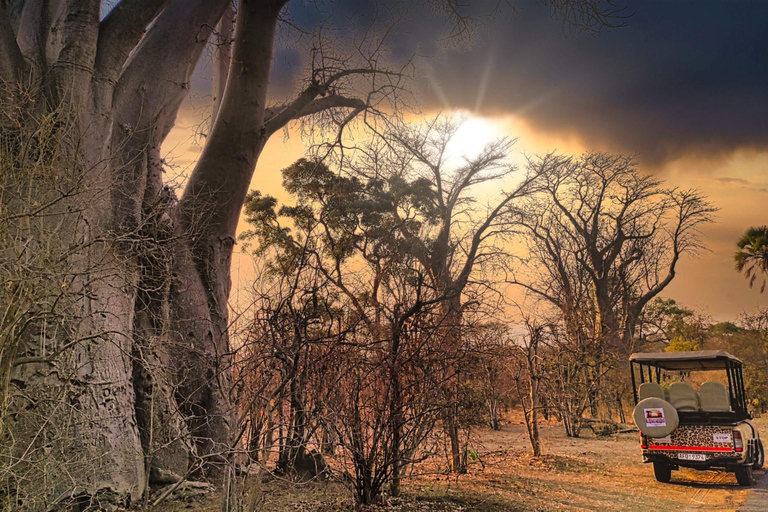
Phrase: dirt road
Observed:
(587, 474)
(757, 498)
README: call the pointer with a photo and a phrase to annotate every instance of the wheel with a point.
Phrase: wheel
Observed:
(745, 476)
(759, 461)
(662, 472)
(655, 417)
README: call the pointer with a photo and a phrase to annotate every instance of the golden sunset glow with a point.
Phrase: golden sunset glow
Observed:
(474, 134)
(735, 182)
(382, 255)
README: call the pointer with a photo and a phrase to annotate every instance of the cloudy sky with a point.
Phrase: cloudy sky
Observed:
(683, 86)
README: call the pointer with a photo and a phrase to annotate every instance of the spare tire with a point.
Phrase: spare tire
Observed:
(655, 417)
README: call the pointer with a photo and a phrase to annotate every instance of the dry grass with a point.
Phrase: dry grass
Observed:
(573, 475)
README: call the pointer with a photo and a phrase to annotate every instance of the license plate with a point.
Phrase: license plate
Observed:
(699, 457)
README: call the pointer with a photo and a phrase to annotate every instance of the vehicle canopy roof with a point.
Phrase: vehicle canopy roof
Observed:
(682, 361)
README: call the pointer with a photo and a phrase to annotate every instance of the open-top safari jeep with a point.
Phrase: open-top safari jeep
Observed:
(682, 426)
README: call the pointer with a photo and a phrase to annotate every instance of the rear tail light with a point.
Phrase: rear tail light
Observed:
(643, 441)
(738, 443)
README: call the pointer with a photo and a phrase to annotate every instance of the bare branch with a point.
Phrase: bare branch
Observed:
(222, 57)
(12, 63)
(308, 104)
(121, 31)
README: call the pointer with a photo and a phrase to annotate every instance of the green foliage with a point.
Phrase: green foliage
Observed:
(348, 213)
(682, 327)
(752, 254)
(748, 342)
(690, 329)
(666, 308)
(724, 329)
(680, 344)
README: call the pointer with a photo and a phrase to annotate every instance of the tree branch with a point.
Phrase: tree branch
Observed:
(12, 63)
(78, 23)
(222, 57)
(13, 9)
(121, 31)
(307, 104)
(33, 27)
(168, 53)
(219, 181)
(159, 70)
(523, 189)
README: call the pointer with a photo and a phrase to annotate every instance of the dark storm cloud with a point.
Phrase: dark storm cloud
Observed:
(682, 77)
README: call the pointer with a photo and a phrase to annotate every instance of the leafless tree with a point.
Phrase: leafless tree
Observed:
(123, 77)
(604, 234)
(531, 346)
(460, 236)
(604, 240)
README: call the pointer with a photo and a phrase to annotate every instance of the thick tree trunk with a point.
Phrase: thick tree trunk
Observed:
(75, 431)
(164, 435)
(207, 220)
(150, 374)
(93, 411)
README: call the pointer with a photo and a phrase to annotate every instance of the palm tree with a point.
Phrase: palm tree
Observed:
(753, 254)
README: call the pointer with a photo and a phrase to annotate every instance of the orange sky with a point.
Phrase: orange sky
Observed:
(736, 183)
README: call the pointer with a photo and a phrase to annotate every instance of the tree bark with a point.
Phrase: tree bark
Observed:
(207, 219)
(97, 426)
(150, 375)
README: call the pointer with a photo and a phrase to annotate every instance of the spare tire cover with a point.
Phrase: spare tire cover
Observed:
(655, 417)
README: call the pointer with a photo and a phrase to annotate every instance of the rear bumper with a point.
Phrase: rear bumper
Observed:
(717, 461)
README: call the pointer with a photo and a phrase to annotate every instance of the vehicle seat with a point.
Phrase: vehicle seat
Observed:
(683, 397)
(714, 397)
(650, 390)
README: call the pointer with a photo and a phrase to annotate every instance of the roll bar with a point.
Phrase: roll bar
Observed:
(650, 365)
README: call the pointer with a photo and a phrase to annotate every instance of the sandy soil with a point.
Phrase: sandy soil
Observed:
(583, 474)
(574, 475)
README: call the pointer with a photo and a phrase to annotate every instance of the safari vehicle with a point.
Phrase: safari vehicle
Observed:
(682, 426)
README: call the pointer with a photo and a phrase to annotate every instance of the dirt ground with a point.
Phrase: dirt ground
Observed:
(604, 474)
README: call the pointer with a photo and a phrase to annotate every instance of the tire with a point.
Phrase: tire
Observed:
(664, 421)
(745, 476)
(662, 471)
(759, 461)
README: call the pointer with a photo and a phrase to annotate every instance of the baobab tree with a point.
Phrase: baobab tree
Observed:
(604, 240)
(607, 237)
(116, 85)
(150, 352)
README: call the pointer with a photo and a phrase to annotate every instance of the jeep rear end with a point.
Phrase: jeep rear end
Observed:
(696, 446)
